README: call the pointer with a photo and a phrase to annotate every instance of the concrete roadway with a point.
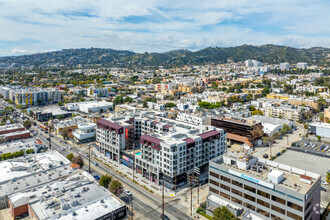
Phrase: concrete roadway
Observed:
(145, 204)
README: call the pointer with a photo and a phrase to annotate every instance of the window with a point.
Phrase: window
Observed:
(214, 190)
(236, 200)
(263, 203)
(224, 195)
(214, 174)
(279, 200)
(249, 206)
(249, 188)
(275, 217)
(225, 179)
(225, 187)
(235, 183)
(214, 182)
(294, 216)
(294, 206)
(262, 212)
(309, 203)
(277, 209)
(249, 197)
(261, 193)
(236, 192)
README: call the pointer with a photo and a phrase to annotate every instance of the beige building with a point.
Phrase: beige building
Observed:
(283, 112)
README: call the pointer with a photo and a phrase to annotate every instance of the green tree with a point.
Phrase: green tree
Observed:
(128, 99)
(170, 105)
(265, 140)
(116, 187)
(118, 100)
(249, 97)
(328, 177)
(145, 105)
(306, 126)
(78, 160)
(65, 133)
(20, 106)
(27, 124)
(252, 108)
(318, 138)
(223, 214)
(70, 156)
(60, 103)
(105, 180)
(265, 91)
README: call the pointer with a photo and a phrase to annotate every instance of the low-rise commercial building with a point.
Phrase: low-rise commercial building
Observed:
(75, 197)
(46, 113)
(319, 129)
(89, 106)
(29, 171)
(264, 188)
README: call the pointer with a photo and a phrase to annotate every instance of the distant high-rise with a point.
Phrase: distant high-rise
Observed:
(301, 65)
(284, 66)
(254, 63)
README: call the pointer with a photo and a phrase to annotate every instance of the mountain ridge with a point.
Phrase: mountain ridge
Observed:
(268, 53)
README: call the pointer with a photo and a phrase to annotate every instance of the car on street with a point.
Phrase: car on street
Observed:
(51, 135)
(323, 182)
(127, 192)
(95, 163)
(265, 156)
(48, 139)
(323, 189)
(164, 217)
(278, 154)
(96, 177)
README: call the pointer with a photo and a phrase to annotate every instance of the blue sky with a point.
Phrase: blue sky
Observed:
(33, 26)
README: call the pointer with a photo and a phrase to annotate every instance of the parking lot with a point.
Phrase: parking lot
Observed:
(311, 146)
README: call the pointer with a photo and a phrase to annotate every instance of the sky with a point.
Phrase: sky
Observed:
(33, 26)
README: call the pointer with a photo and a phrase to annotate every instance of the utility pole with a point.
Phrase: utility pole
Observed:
(191, 180)
(133, 161)
(89, 158)
(197, 172)
(50, 140)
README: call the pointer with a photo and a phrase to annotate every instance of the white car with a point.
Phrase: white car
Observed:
(323, 182)
(127, 192)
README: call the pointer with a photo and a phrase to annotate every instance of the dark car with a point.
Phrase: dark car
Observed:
(164, 217)
(48, 139)
(96, 177)
(278, 154)
(265, 156)
(323, 189)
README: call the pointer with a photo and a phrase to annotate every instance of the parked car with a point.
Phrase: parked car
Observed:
(127, 192)
(48, 139)
(278, 154)
(323, 189)
(95, 163)
(265, 156)
(323, 182)
(96, 177)
(164, 217)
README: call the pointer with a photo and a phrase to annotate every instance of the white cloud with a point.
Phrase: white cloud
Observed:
(160, 25)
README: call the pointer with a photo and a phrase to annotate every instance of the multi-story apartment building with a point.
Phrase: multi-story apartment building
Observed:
(29, 97)
(195, 119)
(302, 65)
(168, 149)
(263, 188)
(286, 112)
(278, 96)
(310, 88)
(284, 66)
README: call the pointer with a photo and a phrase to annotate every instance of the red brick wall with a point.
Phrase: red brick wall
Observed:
(18, 210)
(18, 136)
(11, 130)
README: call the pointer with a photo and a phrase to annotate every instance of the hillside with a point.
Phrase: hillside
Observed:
(107, 57)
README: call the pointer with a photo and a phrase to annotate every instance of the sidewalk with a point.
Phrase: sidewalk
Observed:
(138, 178)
